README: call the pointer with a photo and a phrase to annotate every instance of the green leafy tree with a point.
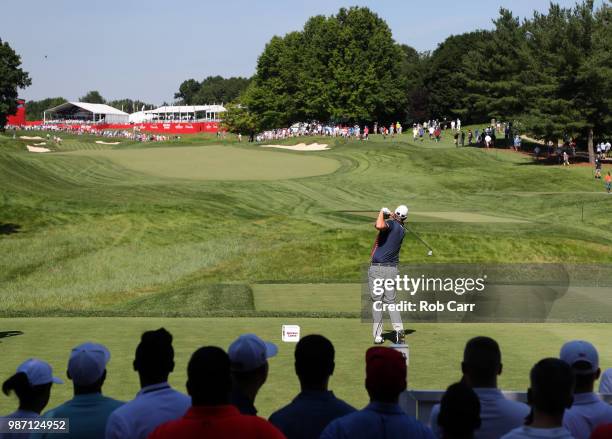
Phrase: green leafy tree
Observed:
(129, 105)
(444, 82)
(187, 91)
(12, 78)
(572, 65)
(414, 69)
(238, 119)
(345, 68)
(35, 109)
(218, 90)
(494, 73)
(93, 97)
(213, 89)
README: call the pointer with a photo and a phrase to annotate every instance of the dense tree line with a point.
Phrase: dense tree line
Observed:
(212, 90)
(550, 74)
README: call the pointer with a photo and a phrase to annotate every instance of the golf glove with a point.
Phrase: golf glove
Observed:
(386, 211)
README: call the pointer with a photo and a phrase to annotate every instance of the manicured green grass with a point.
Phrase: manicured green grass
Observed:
(216, 162)
(82, 234)
(94, 237)
(435, 350)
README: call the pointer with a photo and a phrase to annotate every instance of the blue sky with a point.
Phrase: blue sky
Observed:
(144, 50)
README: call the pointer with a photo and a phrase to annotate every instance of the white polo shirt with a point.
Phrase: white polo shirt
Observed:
(587, 412)
(538, 433)
(498, 414)
(151, 407)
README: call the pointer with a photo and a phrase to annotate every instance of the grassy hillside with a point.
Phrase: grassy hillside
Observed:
(84, 235)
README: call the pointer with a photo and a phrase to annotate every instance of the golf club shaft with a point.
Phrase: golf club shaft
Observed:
(418, 237)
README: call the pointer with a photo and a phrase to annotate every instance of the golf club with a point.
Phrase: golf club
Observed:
(430, 252)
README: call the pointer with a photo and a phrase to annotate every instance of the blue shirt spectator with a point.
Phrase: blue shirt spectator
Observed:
(377, 420)
(316, 406)
(88, 411)
(87, 416)
(157, 402)
(153, 405)
(498, 414)
(309, 413)
(32, 384)
(383, 417)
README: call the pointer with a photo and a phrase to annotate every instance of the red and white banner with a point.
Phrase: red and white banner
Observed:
(158, 128)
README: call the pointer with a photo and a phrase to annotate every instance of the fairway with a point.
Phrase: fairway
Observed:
(435, 350)
(458, 217)
(216, 162)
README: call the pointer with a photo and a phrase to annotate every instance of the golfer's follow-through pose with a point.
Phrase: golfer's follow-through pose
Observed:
(385, 258)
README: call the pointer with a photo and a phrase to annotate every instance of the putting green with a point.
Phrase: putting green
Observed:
(453, 216)
(216, 162)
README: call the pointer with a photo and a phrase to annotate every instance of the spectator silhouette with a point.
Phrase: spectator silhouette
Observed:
(383, 417)
(249, 363)
(211, 416)
(156, 402)
(88, 410)
(481, 366)
(588, 410)
(605, 382)
(315, 406)
(32, 384)
(459, 412)
(549, 395)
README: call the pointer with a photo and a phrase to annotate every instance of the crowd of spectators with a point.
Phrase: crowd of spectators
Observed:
(222, 389)
(133, 134)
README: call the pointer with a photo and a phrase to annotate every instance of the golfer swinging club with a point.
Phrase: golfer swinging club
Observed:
(385, 258)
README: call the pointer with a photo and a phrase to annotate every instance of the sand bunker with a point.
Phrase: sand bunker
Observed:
(37, 149)
(31, 138)
(100, 142)
(300, 147)
(40, 144)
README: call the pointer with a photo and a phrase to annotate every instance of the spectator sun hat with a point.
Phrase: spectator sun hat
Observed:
(580, 351)
(38, 372)
(87, 363)
(385, 370)
(249, 352)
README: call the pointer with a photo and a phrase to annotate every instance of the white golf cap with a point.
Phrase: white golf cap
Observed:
(402, 211)
(38, 372)
(87, 363)
(576, 351)
(248, 352)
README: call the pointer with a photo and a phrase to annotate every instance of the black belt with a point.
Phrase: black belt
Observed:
(383, 264)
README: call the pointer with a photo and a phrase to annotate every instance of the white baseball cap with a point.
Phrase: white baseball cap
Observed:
(576, 351)
(248, 352)
(402, 211)
(87, 363)
(38, 372)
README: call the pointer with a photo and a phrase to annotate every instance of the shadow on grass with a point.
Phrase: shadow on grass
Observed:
(5, 334)
(9, 229)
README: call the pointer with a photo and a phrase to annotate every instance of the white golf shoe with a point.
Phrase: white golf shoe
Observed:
(378, 340)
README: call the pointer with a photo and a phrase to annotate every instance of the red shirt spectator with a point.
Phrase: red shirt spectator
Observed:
(223, 421)
(604, 431)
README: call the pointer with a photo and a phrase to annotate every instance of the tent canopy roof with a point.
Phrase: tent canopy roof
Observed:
(186, 109)
(92, 108)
